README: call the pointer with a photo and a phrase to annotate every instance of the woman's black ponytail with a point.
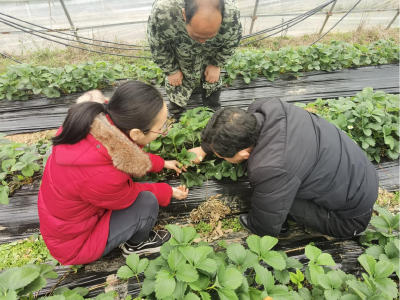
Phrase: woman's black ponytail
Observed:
(77, 123)
(134, 105)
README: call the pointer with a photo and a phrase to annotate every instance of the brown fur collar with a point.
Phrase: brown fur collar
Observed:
(126, 155)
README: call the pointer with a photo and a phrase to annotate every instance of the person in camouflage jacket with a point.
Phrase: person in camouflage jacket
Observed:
(186, 59)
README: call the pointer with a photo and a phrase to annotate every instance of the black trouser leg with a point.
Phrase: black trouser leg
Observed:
(307, 213)
(213, 101)
(133, 223)
(175, 110)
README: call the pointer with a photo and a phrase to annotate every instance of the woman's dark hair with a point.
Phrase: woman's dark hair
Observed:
(191, 7)
(231, 130)
(134, 105)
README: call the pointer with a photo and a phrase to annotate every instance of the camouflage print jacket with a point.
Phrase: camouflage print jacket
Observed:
(173, 49)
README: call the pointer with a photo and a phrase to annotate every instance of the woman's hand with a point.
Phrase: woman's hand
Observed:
(200, 155)
(174, 165)
(180, 193)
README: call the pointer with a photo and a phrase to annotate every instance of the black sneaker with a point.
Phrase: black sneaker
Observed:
(151, 245)
(285, 231)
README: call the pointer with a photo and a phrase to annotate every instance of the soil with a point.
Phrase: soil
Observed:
(32, 138)
(388, 201)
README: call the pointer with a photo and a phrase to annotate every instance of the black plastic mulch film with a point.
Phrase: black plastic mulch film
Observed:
(43, 113)
(19, 219)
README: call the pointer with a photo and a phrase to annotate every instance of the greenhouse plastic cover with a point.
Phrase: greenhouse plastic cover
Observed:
(105, 19)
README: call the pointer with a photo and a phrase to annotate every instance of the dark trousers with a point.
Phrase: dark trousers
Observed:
(307, 213)
(212, 102)
(134, 223)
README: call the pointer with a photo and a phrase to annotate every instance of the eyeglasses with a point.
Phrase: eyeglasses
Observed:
(164, 132)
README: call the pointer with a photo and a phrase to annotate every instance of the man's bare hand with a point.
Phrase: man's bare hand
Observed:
(176, 79)
(200, 155)
(212, 73)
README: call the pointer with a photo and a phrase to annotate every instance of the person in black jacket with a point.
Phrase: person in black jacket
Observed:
(298, 164)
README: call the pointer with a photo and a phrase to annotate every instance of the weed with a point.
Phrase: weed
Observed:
(31, 250)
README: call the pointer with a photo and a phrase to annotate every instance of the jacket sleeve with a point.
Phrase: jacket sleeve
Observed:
(161, 49)
(116, 191)
(157, 163)
(232, 34)
(273, 195)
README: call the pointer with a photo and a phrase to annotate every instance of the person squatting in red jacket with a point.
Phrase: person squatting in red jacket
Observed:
(88, 203)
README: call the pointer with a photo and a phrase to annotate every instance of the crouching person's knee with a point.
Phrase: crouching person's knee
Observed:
(148, 203)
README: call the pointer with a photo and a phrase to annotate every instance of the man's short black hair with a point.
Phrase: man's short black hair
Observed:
(191, 7)
(231, 130)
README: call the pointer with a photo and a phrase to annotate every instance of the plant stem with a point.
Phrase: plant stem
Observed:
(140, 287)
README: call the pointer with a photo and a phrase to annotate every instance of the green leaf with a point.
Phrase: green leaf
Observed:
(208, 265)
(385, 214)
(148, 286)
(176, 232)
(152, 270)
(389, 140)
(143, 264)
(27, 171)
(187, 273)
(282, 276)
(383, 269)
(21, 277)
(264, 277)
(368, 263)
(226, 294)
(176, 260)
(155, 145)
(34, 286)
(312, 253)
(274, 259)
(125, 272)
(179, 291)
(254, 294)
(332, 294)
(380, 222)
(250, 260)
(191, 296)
(325, 259)
(179, 139)
(201, 283)
(12, 295)
(267, 243)
(229, 278)
(81, 291)
(4, 190)
(388, 286)
(236, 253)
(232, 174)
(375, 251)
(292, 262)
(253, 242)
(133, 262)
(165, 284)
(205, 296)
(7, 164)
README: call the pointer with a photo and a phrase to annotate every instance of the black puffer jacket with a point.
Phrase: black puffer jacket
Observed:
(300, 155)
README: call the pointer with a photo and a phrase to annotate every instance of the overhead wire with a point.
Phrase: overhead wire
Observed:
(68, 45)
(75, 41)
(309, 13)
(336, 23)
(9, 57)
(288, 26)
(73, 35)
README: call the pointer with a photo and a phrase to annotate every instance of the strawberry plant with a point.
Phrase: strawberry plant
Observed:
(186, 135)
(24, 80)
(19, 162)
(370, 118)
